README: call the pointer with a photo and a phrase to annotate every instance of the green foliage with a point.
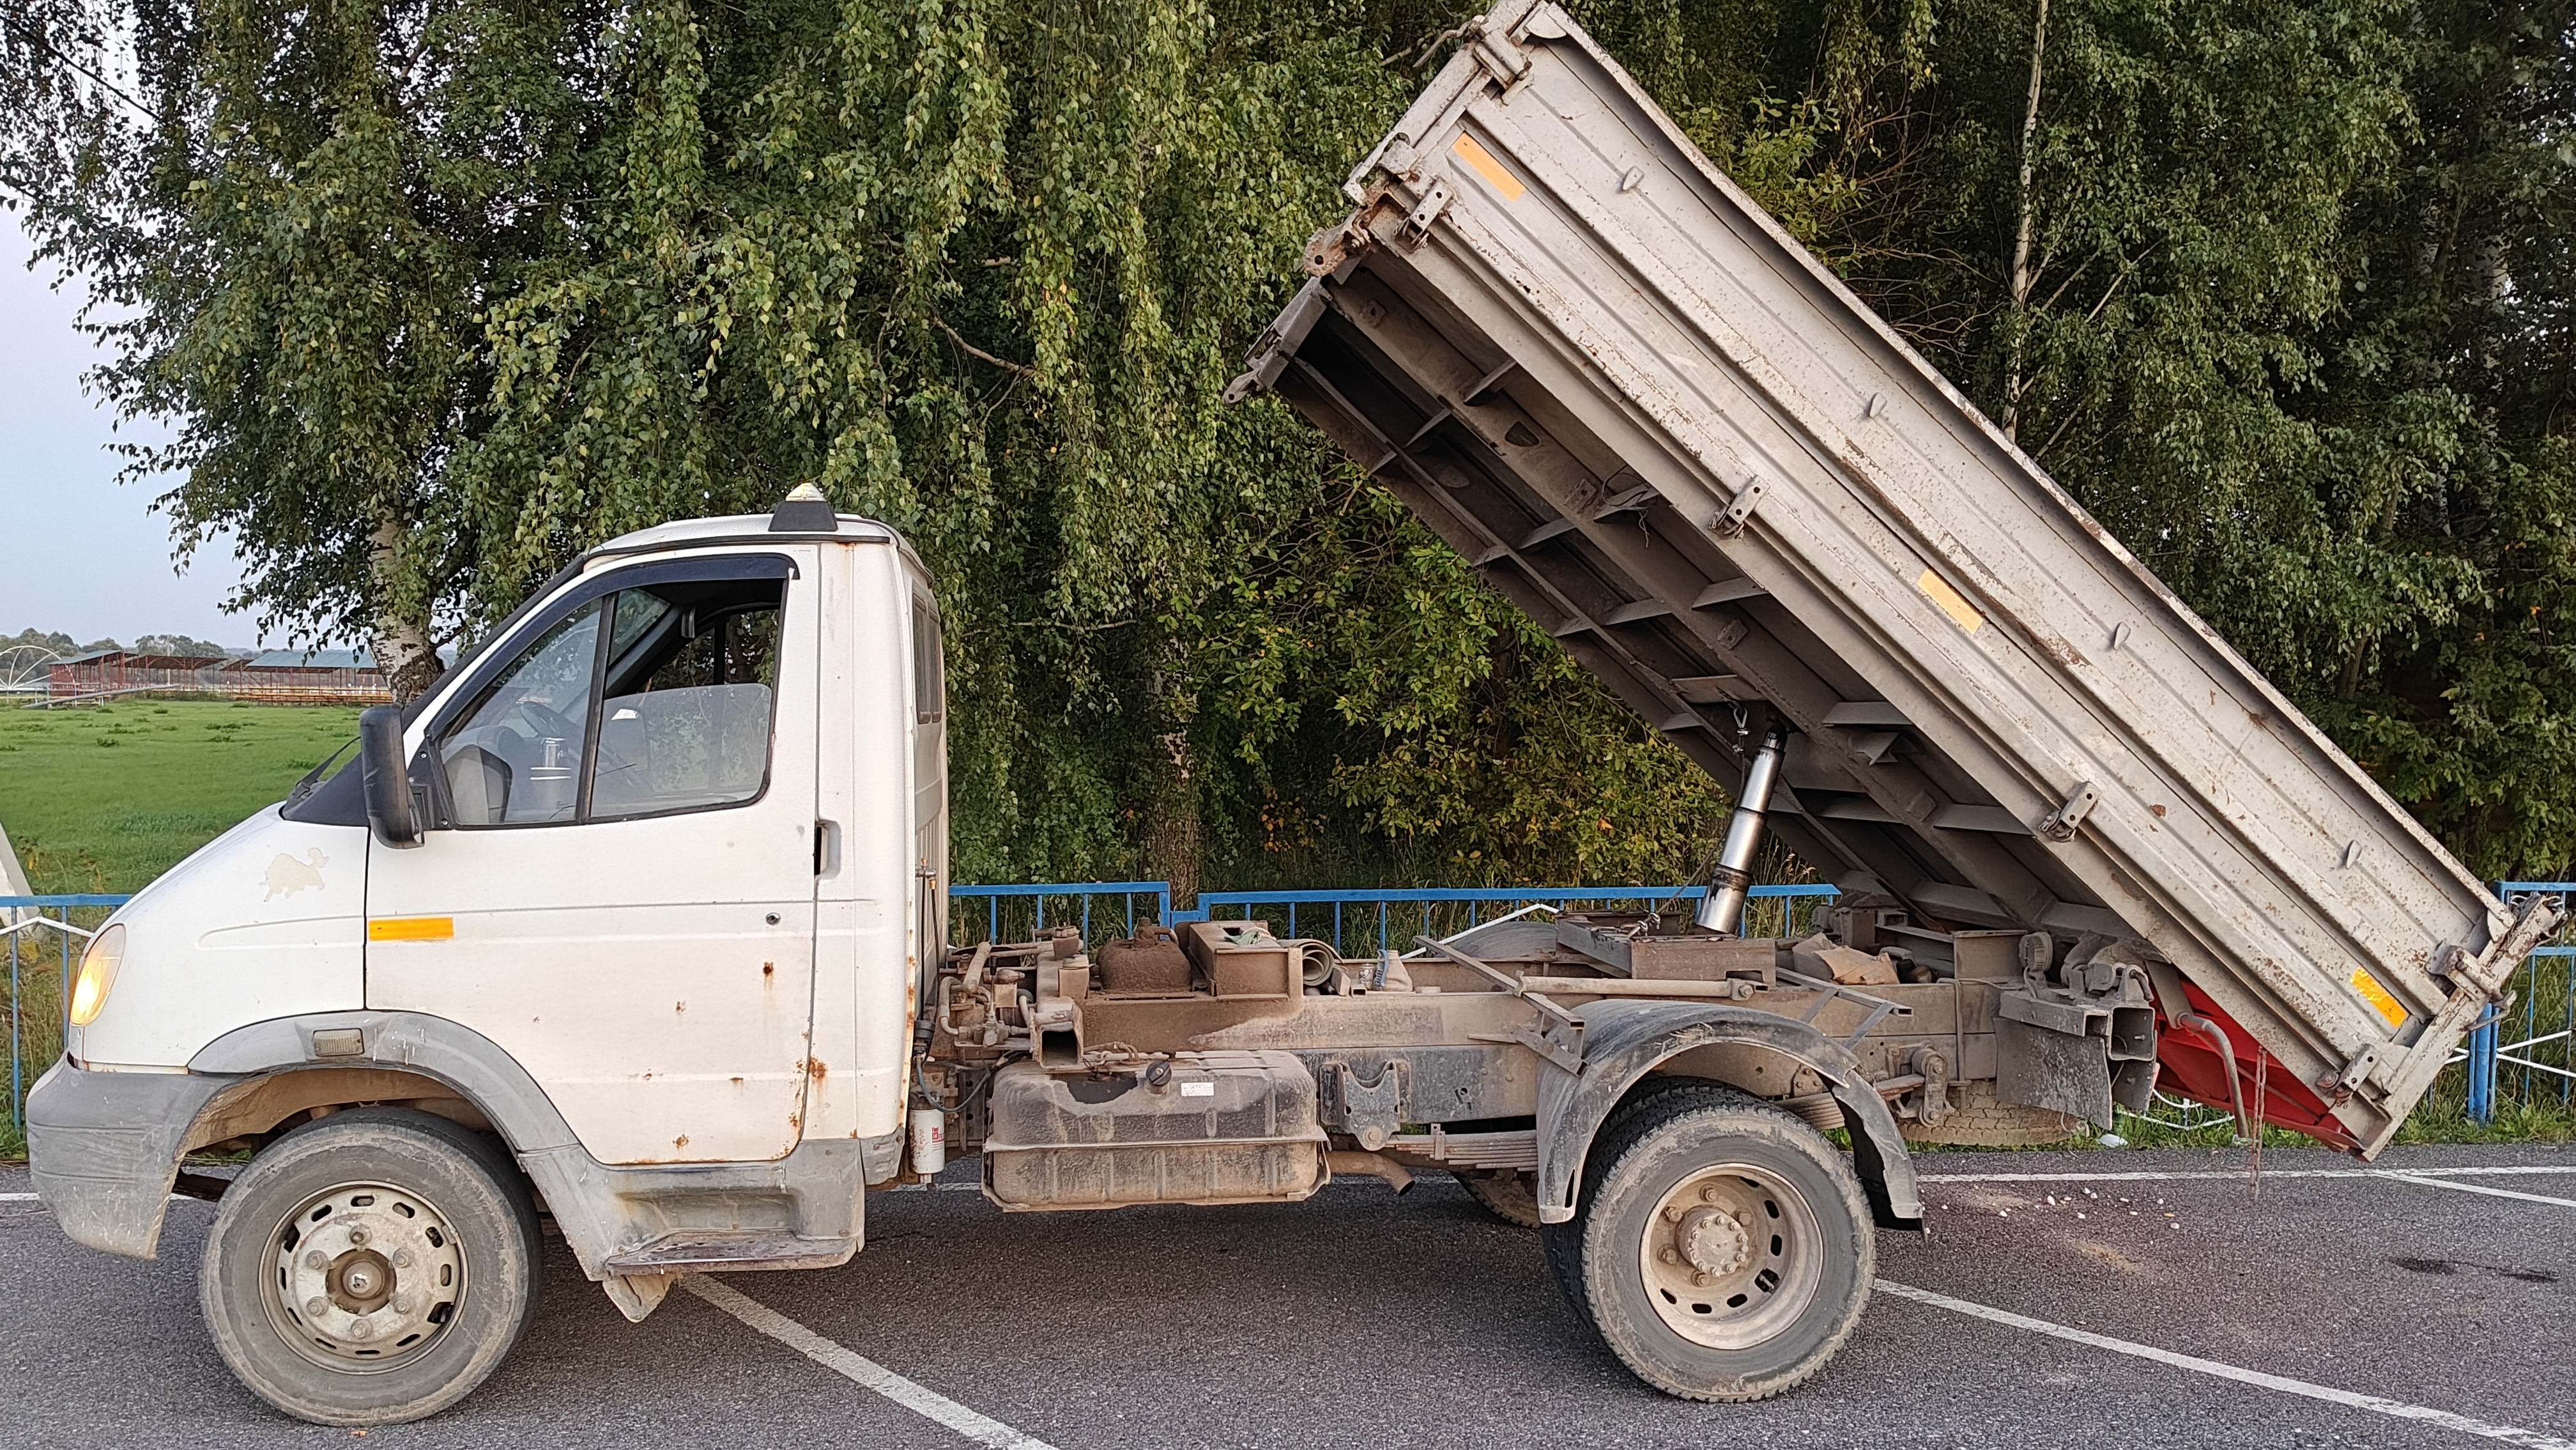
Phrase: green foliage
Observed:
(54, 640)
(445, 290)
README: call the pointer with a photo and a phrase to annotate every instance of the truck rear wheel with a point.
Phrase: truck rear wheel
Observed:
(371, 1267)
(1510, 1194)
(1721, 1247)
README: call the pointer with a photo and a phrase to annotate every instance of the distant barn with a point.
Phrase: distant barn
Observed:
(279, 676)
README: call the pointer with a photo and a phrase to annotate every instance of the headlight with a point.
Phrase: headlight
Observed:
(97, 974)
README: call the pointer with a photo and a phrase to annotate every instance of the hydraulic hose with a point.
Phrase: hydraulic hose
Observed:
(2208, 1030)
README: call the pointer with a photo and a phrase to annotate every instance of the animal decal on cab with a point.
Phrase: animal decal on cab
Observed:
(287, 876)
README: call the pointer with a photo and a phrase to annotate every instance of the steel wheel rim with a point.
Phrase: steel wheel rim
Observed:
(363, 1277)
(1732, 1256)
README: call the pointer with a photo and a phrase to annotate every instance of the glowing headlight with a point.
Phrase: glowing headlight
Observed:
(97, 974)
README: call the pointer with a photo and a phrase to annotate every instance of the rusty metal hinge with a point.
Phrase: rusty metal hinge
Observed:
(2059, 825)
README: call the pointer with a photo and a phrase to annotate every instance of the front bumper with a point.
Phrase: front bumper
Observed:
(103, 1148)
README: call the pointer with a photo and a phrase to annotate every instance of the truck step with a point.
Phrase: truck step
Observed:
(700, 1253)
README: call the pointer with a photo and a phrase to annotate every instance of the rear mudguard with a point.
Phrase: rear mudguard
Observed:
(1624, 1041)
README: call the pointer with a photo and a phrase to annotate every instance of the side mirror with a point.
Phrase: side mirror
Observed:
(380, 757)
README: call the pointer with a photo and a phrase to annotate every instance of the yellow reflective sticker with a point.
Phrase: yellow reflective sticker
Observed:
(411, 928)
(1952, 602)
(2378, 997)
(1487, 167)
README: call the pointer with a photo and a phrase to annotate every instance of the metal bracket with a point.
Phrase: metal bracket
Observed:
(1501, 57)
(1417, 222)
(1730, 522)
(1544, 1044)
(1332, 248)
(1570, 1059)
(2059, 825)
(2338, 1086)
(1371, 1112)
(1932, 1100)
(1880, 1007)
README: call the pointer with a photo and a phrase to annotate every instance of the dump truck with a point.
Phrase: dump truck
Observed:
(638, 919)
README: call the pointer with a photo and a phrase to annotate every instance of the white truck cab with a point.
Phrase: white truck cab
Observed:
(652, 907)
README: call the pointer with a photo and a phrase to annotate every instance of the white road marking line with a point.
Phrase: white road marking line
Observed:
(2396, 1409)
(2151, 1176)
(922, 1401)
(2460, 1187)
(30, 1198)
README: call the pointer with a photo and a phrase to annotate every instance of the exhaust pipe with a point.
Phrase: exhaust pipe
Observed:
(1722, 910)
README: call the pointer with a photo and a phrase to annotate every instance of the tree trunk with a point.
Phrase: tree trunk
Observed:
(1172, 824)
(401, 642)
(2021, 272)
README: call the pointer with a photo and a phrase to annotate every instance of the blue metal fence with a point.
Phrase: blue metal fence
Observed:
(1363, 921)
(42, 935)
(2525, 1052)
(1019, 913)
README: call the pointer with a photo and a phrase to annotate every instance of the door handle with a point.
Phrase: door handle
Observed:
(827, 848)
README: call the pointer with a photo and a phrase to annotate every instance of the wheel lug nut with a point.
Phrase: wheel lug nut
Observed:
(402, 1303)
(1667, 1255)
(1673, 1213)
(317, 1260)
(1708, 1194)
(359, 1328)
(357, 1235)
(402, 1258)
(1744, 1216)
(1698, 1281)
(317, 1306)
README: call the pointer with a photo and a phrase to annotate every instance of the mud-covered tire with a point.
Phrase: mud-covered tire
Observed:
(1509, 1194)
(1722, 1249)
(371, 1267)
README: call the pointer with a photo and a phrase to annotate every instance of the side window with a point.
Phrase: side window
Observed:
(929, 694)
(691, 688)
(654, 699)
(515, 758)
(929, 665)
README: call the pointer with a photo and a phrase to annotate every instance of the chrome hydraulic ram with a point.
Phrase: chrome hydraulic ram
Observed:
(1723, 907)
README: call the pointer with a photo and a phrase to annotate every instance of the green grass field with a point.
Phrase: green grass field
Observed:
(104, 798)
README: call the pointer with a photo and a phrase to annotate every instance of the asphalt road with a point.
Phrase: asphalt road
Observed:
(1363, 1319)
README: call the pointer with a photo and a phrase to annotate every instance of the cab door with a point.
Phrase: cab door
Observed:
(620, 888)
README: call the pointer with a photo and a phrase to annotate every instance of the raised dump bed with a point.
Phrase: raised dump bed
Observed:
(1649, 417)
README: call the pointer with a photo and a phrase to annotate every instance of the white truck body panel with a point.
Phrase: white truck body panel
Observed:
(267, 920)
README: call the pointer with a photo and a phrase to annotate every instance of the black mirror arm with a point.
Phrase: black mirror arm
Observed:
(393, 813)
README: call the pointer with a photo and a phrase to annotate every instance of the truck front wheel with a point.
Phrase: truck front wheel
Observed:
(1721, 1247)
(371, 1267)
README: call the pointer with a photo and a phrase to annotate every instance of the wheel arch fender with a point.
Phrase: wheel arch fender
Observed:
(477, 1069)
(1624, 1041)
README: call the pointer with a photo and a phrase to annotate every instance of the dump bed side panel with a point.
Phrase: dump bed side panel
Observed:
(1652, 420)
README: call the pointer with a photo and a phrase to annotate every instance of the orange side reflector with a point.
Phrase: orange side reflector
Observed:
(2378, 997)
(1952, 602)
(411, 928)
(1487, 167)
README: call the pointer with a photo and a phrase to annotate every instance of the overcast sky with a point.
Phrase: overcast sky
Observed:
(84, 554)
